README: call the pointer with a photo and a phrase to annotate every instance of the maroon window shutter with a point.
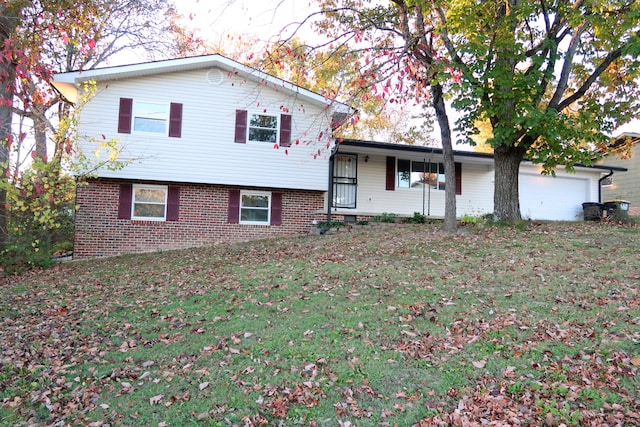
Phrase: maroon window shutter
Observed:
(234, 207)
(241, 126)
(458, 178)
(175, 120)
(124, 115)
(276, 208)
(285, 130)
(391, 173)
(124, 204)
(173, 203)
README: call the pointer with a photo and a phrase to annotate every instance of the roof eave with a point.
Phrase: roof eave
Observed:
(195, 63)
(456, 153)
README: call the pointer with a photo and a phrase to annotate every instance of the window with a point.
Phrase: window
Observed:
(255, 207)
(149, 202)
(413, 174)
(260, 127)
(263, 127)
(150, 117)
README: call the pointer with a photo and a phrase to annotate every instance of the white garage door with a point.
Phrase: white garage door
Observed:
(546, 197)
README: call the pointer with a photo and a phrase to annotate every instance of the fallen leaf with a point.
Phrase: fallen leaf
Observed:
(479, 364)
(204, 385)
(156, 399)
(635, 361)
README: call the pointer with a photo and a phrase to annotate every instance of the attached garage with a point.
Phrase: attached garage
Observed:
(553, 198)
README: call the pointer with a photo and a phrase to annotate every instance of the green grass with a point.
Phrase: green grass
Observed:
(402, 325)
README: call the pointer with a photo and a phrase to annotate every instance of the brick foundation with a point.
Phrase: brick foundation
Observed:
(202, 220)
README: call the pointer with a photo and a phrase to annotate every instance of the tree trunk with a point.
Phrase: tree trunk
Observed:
(7, 84)
(449, 163)
(40, 134)
(506, 198)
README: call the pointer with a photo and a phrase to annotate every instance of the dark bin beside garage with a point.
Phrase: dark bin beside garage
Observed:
(616, 207)
(592, 211)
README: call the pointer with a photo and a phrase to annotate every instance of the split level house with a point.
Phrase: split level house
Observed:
(221, 152)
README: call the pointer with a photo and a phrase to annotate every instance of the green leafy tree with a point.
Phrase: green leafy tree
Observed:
(551, 77)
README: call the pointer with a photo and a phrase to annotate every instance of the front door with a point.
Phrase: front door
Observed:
(345, 180)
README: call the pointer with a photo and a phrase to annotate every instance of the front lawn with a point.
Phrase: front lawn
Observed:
(394, 325)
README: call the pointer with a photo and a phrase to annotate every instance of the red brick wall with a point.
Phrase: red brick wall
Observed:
(202, 220)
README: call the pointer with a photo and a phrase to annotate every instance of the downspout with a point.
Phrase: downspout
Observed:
(600, 185)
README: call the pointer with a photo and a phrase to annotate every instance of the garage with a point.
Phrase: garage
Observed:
(552, 198)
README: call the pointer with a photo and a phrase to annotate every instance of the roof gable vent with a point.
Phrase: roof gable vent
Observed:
(215, 77)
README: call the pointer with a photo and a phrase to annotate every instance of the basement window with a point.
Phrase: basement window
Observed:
(149, 202)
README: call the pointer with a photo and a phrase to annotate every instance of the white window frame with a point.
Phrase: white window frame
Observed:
(268, 208)
(149, 187)
(261, 113)
(439, 176)
(137, 106)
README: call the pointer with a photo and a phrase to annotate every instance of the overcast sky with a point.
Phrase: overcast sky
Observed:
(216, 19)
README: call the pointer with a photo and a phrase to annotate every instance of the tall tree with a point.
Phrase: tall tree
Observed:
(42, 37)
(8, 22)
(395, 55)
(552, 78)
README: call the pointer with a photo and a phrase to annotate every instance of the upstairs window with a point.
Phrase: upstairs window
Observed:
(263, 128)
(150, 117)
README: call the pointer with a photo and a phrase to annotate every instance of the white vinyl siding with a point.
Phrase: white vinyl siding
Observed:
(206, 152)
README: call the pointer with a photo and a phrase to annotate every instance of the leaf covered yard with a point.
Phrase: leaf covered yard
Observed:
(396, 325)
